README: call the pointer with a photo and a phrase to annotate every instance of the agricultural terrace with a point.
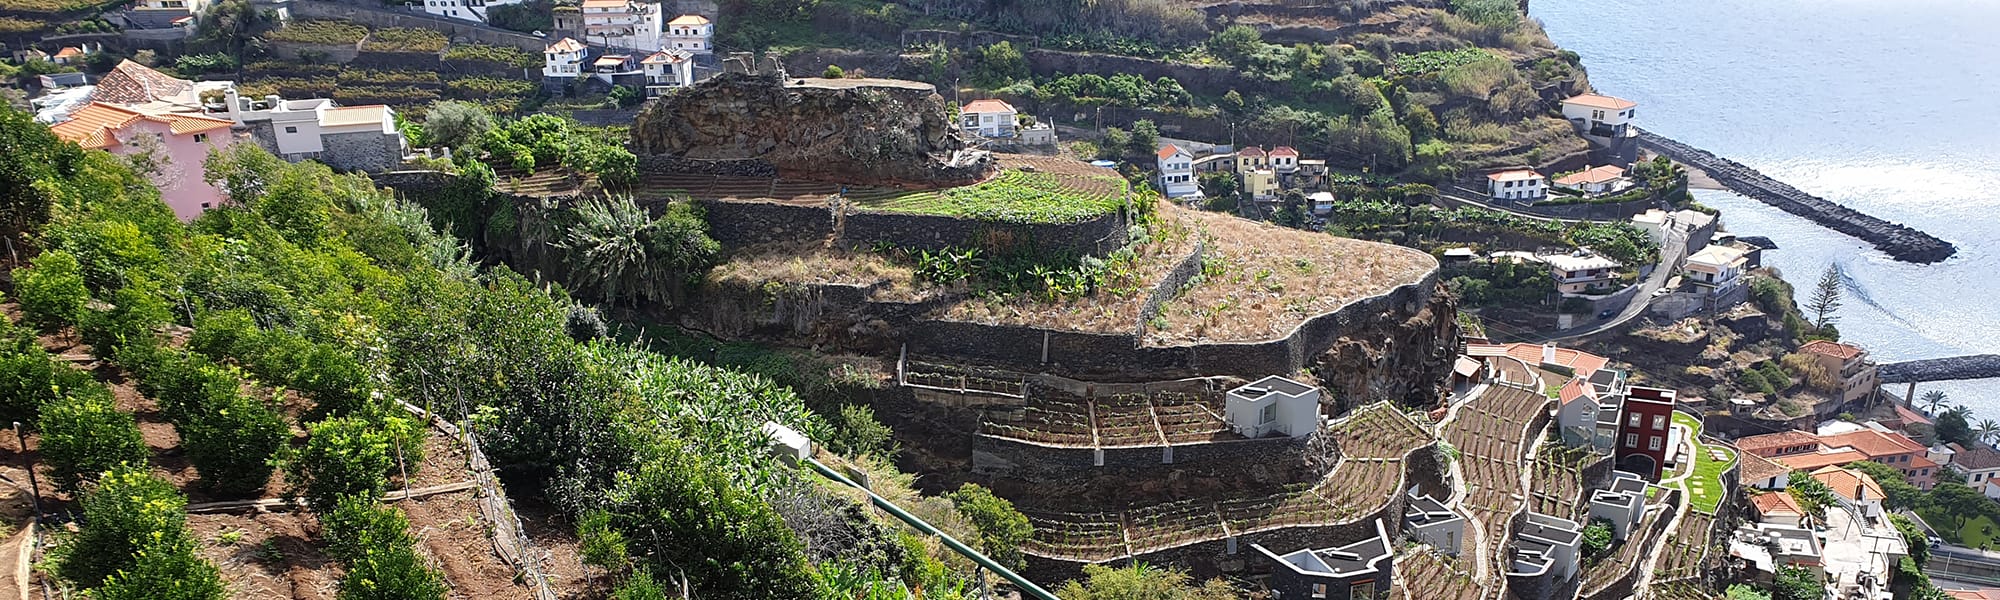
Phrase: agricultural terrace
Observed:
(328, 32)
(1704, 485)
(814, 262)
(1488, 432)
(1430, 575)
(1681, 557)
(1373, 441)
(1056, 418)
(1027, 189)
(963, 379)
(479, 73)
(1625, 555)
(736, 189)
(1684, 590)
(1558, 481)
(1128, 276)
(1261, 281)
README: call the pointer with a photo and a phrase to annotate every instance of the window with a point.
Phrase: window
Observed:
(1364, 589)
(1659, 421)
(1319, 590)
(204, 205)
(289, 129)
(1632, 420)
(200, 138)
(1631, 440)
(1269, 414)
(1653, 444)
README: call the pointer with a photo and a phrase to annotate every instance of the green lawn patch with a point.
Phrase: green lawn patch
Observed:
(1015, 196)
(1704, 487)
(1979, 532)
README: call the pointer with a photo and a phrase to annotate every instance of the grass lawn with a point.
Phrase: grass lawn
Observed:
(1978, 532)
(1704, 486)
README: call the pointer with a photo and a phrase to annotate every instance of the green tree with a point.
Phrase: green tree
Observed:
(1217, 185)
(626, 96)
(33, 160)
(1141, 582)
(678, 512)
(129, 511)
(455, 124)
(1145, 139)
(1914, 538)
(1794, 583)
(52, 292)
(1811, 493)
(999, 65)
(1236, 44)
(1002, 529)
(167, 569)
(1826, 297)
(1596, 538)
(1894, 483)
(1754, 381)
(1931, 400)
(640, 586)
(833, 72)
(858, 433)
(1951, 427)
(1961, 503)
(84, 435)
(233, 443)
(345, 456)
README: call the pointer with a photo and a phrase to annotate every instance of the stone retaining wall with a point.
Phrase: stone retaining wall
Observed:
(1900, 242)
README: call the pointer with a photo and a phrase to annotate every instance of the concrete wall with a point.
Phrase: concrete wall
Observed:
(364, 151)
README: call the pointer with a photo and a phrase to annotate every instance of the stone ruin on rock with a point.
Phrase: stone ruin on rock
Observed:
(850, 131)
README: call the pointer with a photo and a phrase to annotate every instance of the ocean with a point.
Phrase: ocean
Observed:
(1889, 107)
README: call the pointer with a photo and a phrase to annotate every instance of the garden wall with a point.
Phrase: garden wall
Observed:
(1622, 587)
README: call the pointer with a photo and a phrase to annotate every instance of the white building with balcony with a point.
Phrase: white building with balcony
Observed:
(988, 118)
(1582, 273)
(1717, 267)
(1517, 184)
(1176, 166)
(666, 70)
(564, 59)
(624, 24)
(1602, 116)
(469, 10)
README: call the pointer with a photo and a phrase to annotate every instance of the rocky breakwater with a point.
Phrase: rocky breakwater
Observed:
(1898, 241)
(855, 131)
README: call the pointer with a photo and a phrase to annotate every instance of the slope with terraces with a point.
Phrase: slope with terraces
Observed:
(1491, 433)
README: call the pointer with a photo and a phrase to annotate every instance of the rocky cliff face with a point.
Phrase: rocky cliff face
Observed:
(1406, 361)
(862, 131)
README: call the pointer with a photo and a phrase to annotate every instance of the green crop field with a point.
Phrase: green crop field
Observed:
(1013, 197)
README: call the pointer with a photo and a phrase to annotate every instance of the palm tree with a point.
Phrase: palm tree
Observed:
(1932, 400)
(1961, 410)
(1986, 429)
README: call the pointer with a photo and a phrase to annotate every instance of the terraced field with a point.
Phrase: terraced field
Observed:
(1430, 575)
(1489, 432)
(1373, 439)
(1558, 481)
(1681, 558)
(1014, 196)
(1124, 420)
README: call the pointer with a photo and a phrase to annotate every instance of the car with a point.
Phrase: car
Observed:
(1935, 542)
(1606, 314)
(1662, 292)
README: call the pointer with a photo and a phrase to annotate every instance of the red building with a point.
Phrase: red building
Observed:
(1643, 431)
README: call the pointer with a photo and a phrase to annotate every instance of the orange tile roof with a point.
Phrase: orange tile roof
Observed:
(1599, 174)
(1910, 416)
(689, 20)
(69, 52)
(667, 57)
(1833, 349)
(92, 125)
(1168, 151)
(186, 124)
(1921, 462)
(988, 105)
(1816, 460)
(1578, 361)
(1777, 503)
(1251, 151)
(1780, 439)
(1284, 151)
(134, 83)
(1604, 102)
(1513, 175)
(1573, 390)
(1874, 443)
(1758, 468)
(1846, 482)
(566, 45)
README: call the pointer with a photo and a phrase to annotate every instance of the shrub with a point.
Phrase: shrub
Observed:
(857, 432)
(679, 512)
(1596, 538)
(374, 543)
(134, 317)
(455, 124)
(233, 443)
(833, 72)
(319, 32)
(130, 510)
(345, 456)
(165, 570)
(1754, 381)
(1001, 528)
(30, 378)
(52, 292)
(640, 586)
(84, 435)
(599, 544)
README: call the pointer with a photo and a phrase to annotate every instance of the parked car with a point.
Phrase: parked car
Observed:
(1606, 314)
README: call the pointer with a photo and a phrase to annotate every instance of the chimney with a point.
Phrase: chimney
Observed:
(234, 102)
(1548, 354)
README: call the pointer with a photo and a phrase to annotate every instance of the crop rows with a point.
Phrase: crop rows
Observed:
(1014, 196)
(1558, 481)
(1684, 590)
(1125, 420)
(1190, 417)
(934, 375)
(1433, 576)
(1626, 557)
(1172, 524)
(1682, 555)
(1488, 433)
(1093, 535)
(1378, 431)
(1053, 417)
(1048, 421)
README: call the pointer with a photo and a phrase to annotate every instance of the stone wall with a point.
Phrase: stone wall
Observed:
(738, 224)
(375, 16)
(1170, 284)
(366, 151)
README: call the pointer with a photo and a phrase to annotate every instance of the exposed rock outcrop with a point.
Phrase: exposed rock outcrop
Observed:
(860, 131)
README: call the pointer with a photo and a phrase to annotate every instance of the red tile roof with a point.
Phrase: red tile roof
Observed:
(1846, 482)
(1777, 503)
(1874, 443)
(1599, 174)
(1815, 460)
(1251, 151)
(1168, 151)
(92, 126)
(987, 106)
(566, 45)
(1513, 175)
(1578, 361)
(1284, 151)
(1757, 468)
(1604, 102)
(69, 52)
(1573, 390)
(134, 83)
(1781, 439)
(1833, 349)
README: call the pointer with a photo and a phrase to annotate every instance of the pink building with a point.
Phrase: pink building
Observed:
(179, 141)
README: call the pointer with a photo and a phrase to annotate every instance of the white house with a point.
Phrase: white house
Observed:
(988, 118)
(1623, 503)
(692, 33)
(470, 10)
(1603, 179)
(1980, 466)
(1273, 405)
(1581, 273)
(624, 24)
(1284, 159)
(1431, 522)
(1177, 172)
(1517, 184)
(564, 59)
(1601, 116)
(1717, 267)
(1546, 548)
(667, 69)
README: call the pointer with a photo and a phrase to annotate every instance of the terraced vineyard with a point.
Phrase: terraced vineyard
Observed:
(722, 187)
(1681, 557)
(960, 378)
(1124, 420)
(1558, 481)
(1430, 575)
(1489, 432)
(1374, 440)
(1625, 556)
(1013, 196)
(1684, 590)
